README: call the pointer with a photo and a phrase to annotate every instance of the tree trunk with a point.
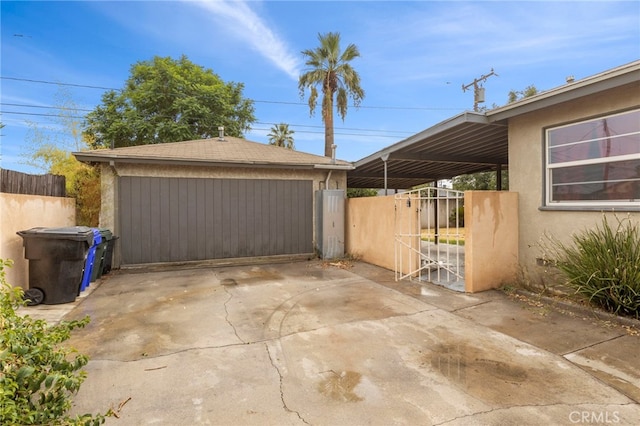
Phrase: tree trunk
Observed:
(328, 128)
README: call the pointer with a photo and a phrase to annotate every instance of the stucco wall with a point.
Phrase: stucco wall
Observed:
(491, 241)
(21, 212)
(109, 214)
(370, 231)
(526, 169)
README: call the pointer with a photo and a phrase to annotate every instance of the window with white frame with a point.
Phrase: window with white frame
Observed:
(594, 162)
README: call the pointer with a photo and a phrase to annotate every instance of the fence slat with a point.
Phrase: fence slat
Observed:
(22, 183)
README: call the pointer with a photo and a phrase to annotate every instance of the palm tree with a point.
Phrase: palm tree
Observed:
(281, 135)
(330, 68)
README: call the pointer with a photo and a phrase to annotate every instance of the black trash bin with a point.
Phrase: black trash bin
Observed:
(101, 245)
(108, 255)
(56, 262)
(101, 251)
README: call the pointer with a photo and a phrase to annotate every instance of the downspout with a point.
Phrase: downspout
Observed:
(333, 161)
(326, 182)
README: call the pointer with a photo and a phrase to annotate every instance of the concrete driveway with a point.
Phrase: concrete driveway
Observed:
(310, 343)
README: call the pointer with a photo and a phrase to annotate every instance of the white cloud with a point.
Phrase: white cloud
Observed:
(247, 25)
(450, 37)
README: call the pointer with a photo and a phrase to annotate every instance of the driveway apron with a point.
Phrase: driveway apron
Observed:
(310, 343)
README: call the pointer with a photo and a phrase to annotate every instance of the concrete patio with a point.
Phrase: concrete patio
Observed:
(315, 343)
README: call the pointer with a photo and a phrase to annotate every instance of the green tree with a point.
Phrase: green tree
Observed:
(281, 135)
(483, 181)
(330, 68)
(516, 95)
(167, 100)
(49, 149)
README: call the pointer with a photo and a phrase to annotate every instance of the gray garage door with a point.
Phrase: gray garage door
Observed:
(183, 219)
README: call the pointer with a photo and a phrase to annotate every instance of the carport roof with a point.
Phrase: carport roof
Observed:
(472, 142)
(466, 143)
(228, 152)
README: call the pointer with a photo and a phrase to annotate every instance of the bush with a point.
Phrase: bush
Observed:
(361, 192)
(603, 264)
(37, 375)
(456, 217)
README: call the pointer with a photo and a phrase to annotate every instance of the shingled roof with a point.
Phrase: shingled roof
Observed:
(229, 151)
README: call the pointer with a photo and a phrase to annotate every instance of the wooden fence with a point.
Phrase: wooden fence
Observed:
(22, 183)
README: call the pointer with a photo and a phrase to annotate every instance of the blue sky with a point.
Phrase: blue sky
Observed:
(415, 57)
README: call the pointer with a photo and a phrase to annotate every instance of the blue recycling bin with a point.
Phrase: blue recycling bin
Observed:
(90, 261)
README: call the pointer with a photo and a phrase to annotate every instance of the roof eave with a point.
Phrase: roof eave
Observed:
(626, 74)
(344, 167)
(94, 157)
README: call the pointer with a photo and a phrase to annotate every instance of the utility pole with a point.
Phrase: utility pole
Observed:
(478, 90)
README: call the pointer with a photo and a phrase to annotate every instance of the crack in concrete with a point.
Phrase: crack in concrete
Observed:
(592, 345)
(259, 341)
(475, 305)
(226, 315)
(280, 378)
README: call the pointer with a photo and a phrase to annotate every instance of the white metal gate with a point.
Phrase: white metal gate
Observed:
(429, 236)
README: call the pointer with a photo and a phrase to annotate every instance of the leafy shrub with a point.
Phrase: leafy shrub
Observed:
(456, 217)
(361, 192)
(37, 375)
(603, 264)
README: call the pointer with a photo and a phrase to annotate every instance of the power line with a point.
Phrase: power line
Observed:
(86, 86)
(252, 129)
(45, 107)
(337, 133)
(40, 115)
(343, 128)
(257, 122)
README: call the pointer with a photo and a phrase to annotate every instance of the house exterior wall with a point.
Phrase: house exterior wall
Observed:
(526, 177)
(20, 212)
(109, 211)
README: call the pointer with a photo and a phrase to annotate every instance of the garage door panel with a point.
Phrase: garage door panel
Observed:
(249, 224)
(148, 222)
(182, 219)
(163, 247)
(262, 210)
(209, 228)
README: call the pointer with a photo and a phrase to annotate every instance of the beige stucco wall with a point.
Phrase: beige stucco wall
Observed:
(491, 241)
(21, 212)
(526, 168)
(108, 212)
(370, 232)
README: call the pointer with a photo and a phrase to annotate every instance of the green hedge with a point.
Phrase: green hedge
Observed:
(38, 376)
